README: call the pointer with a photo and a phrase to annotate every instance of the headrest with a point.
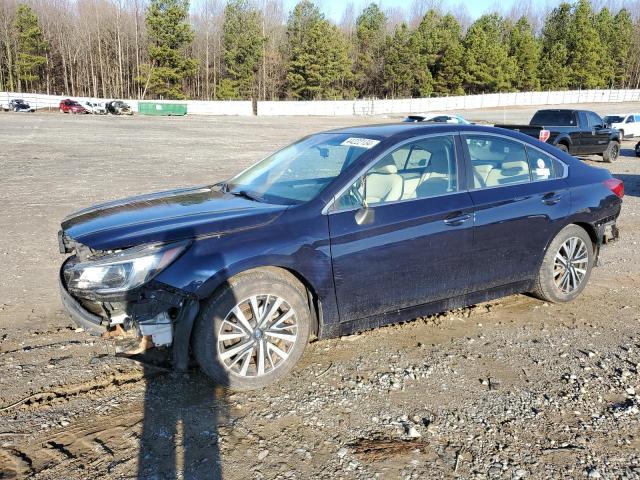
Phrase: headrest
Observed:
(385, 169)
(514, 168)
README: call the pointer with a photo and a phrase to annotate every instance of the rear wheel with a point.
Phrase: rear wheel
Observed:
(611, 153)
(563, 147)
(253, 331)
(566, 267)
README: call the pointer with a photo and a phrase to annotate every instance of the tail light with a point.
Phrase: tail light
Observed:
(544, 135)
(615, 185)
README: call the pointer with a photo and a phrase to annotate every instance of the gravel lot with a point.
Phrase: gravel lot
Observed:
(512, 389)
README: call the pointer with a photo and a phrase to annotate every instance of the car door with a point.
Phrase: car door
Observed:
(598, 136)
(520, 198)
(413, 247)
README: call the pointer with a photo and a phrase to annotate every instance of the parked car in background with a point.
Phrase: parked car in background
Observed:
(118, 107)
(342, 231)
(436, 118)
(628, 124)
(95, 108)
(71, 106)
(578, 132)
(17, 105)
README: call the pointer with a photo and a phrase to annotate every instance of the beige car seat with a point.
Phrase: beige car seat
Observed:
(384, 184)
(510, 172)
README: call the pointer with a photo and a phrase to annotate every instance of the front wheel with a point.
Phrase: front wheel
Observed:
(566, 267)
(253, 330)
(611, 153)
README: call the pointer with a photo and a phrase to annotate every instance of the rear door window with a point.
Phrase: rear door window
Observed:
(497, 161)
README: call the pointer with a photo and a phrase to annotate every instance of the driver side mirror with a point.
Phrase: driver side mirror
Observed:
(364, 215)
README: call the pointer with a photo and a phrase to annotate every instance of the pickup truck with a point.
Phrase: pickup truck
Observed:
(578, 132)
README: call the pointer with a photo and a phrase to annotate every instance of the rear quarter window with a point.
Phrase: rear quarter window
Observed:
(543, 166)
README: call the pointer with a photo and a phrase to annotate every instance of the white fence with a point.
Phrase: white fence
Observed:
(194, 107)
(369, 107)
(463, 102)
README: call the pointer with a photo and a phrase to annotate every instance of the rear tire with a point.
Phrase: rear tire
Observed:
(566, 267)
(562, 147)
(610, 155)
(259, 349)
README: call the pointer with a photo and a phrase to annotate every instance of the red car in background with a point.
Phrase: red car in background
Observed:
(71, 106)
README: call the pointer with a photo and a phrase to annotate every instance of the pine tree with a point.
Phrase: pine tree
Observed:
(524, 48)
(448, 70)
(170, 34)
(489, 67)
(405, 70)
(608, 54)
(31, 47)
(319, 66)
(554, 67)
(584, 48)
(621, 47)
(242, 42)
(370, 43)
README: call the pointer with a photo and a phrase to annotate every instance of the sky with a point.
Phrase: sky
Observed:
(475, 8)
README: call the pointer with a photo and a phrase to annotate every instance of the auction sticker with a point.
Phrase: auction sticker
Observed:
(360, 142)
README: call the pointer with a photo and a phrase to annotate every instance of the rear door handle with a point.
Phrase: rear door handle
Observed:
(551, 198)
(457, 220)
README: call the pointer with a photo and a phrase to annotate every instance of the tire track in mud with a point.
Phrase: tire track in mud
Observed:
(113, 381)
(94, 445)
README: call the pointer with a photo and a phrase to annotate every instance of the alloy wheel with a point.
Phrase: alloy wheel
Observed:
(257, 335)
(570, 265)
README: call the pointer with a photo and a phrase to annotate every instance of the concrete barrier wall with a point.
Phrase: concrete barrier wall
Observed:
(463, 102)
(368, 107)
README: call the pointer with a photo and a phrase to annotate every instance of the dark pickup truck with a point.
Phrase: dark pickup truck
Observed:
(578, 132)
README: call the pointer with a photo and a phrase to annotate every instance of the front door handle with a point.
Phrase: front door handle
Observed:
(457, 219)
(551, 198)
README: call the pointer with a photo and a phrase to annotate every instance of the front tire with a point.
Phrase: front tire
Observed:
(610, 155)
(566, 267)
(253, 331)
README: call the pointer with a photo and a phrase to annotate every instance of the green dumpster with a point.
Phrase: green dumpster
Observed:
(155, 108)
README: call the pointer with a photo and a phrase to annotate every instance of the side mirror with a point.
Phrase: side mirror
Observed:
(364, 215)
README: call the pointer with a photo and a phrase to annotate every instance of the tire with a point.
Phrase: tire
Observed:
(549, 284)
(610, 155)
(563, 148)
(217, 317)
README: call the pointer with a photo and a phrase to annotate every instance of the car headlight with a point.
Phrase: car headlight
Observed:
(123, 270)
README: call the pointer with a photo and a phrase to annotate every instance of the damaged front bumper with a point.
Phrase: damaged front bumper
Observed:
(160, 311)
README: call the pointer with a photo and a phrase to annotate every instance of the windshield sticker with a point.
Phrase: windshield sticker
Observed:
(360, 142)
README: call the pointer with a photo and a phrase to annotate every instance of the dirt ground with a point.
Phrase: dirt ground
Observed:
(517, 388)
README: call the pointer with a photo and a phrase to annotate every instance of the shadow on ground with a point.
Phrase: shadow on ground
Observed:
(179, 436)
(631, 183)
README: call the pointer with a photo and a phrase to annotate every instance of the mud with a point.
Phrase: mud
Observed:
(512, 389)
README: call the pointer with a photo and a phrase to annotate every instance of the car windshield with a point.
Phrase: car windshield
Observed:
(299, 172)
(613, 119)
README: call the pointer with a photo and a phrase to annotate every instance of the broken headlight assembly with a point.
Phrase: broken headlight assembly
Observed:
(123, 270)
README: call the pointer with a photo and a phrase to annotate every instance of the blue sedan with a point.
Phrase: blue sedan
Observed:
(339, 232)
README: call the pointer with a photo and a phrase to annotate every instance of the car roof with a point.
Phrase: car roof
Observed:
(388, 130)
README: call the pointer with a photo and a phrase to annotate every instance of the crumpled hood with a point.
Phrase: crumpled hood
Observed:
(166, 216)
